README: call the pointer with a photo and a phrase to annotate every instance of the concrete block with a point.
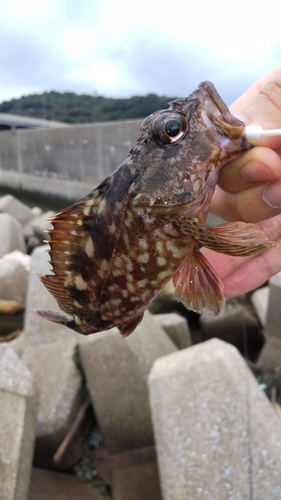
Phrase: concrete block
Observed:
(259, 300)
(135, 475)
(58, 384)
(13, 280)
(231, 324)
(116, 371)
(35, 231)
(270, 356)
(42, 222)
(176, 327)
(39, 222)
(12, 230)
(17, 425)
(37, 330)
(273, 318)
(51, 485)
(20, 257)
(47, 351)
(18, 210)
(217, 435)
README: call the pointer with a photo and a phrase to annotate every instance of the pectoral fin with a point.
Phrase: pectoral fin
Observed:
(232, 238)
(198, 286)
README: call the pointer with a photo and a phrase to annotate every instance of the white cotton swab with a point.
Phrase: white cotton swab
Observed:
(255, 132)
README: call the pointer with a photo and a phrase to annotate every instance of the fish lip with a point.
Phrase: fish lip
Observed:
(217, 111)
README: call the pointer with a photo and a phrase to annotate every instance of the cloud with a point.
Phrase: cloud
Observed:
(119, 49)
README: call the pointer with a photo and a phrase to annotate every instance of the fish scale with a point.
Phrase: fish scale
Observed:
(114, 250)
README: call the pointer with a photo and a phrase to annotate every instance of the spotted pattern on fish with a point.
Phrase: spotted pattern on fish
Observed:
(115, 249)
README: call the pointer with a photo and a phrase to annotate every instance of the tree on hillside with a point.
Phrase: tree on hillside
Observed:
(73, 108)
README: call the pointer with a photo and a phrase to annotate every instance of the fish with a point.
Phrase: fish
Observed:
(115, 249)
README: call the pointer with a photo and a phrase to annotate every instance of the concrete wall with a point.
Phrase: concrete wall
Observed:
(9, 121)
(67, 162)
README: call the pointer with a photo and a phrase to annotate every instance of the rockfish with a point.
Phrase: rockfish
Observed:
(115, 249)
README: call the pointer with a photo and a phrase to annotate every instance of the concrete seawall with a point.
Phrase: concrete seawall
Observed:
(65, 162)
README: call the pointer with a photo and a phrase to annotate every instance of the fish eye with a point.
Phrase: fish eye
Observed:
(172, 128)
(169, 127)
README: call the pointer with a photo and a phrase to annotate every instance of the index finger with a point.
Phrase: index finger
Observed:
(243, 101)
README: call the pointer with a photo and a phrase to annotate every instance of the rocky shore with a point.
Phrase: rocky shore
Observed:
(172, 412)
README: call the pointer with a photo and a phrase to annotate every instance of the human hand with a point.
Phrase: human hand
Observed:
(249, 189)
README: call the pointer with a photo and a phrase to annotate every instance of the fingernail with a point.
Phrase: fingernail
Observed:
(272, 194)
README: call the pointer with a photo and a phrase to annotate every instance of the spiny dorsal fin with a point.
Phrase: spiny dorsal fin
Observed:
(68, 240)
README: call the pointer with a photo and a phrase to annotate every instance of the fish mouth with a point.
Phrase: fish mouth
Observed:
(215, 109)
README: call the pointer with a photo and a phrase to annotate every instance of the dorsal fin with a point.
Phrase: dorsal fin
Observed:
(68, 243)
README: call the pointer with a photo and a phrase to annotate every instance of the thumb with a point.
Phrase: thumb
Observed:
(261, 105)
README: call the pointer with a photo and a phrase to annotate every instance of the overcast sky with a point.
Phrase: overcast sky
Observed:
(120, 48)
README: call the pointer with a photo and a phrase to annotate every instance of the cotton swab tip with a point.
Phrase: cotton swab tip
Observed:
(255, 132)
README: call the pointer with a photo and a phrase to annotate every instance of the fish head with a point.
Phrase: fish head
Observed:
(181, 149)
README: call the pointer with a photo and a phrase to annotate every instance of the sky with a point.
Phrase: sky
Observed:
(120, 48)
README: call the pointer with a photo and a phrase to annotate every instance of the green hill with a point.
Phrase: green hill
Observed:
(73, 108)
